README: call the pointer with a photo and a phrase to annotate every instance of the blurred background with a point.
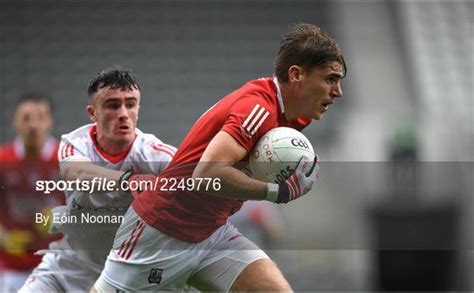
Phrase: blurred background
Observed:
(394, 206)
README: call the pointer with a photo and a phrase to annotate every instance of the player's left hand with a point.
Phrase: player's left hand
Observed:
(300, 182)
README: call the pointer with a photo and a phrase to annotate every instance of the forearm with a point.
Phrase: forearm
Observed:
(87, 171)
(234, 183)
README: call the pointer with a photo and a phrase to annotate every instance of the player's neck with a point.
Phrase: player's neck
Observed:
(290, 112)
(112, 148)
(32, 151)
(33, 148)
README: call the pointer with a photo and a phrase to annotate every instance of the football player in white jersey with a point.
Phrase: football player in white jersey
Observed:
(108, 150)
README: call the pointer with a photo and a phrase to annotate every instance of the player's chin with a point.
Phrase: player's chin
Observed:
(124, 137)
(317, 115)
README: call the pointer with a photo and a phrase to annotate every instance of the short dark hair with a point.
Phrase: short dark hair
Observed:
(308, 46)
(36, 97)
(115, 77)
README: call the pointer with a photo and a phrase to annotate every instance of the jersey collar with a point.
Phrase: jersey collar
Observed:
(279, 96)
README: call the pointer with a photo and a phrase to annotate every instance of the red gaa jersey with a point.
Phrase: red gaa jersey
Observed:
(19, 203)
(246, 114)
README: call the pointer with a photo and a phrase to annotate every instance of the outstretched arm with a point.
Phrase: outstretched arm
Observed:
(87, 171)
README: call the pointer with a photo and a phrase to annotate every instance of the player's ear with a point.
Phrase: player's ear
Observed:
(91, 112)
(294, 73)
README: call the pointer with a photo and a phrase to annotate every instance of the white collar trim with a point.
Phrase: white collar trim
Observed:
(279, 96)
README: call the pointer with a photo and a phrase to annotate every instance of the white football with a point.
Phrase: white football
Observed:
(277, 153)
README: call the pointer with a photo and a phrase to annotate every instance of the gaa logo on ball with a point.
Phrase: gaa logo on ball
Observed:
(277, 154)
(299, 143)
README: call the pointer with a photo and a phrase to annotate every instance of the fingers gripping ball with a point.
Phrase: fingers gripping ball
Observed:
(285, 158)
(300, 182)
(277, 154)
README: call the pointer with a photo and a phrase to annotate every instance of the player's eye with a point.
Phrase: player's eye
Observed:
(113, 106)
(131, 105)
(331, 80)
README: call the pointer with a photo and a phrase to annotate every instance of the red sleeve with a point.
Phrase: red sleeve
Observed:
(247, 119)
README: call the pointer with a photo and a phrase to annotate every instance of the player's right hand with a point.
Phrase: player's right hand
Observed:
(300, 182)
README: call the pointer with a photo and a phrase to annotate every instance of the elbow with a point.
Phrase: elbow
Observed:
(69, 172)
(208, 169)
(65, 173)
(200, 171)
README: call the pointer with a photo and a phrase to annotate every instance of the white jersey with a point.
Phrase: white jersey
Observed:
(89, 221)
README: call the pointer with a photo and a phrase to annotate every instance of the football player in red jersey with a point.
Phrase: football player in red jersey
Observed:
(31, 156)
(179, 233)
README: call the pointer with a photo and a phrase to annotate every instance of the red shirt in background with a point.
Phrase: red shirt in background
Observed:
(19, 203)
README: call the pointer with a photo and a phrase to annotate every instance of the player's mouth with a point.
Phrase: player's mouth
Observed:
(326, 106)
(124, 129)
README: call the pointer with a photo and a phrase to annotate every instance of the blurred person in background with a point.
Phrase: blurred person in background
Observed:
(31, 156)
(107, 149)
(259, 221)
(183, 234)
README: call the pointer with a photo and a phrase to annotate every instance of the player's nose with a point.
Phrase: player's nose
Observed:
(123, 113)
(33, 125)
(337, 91)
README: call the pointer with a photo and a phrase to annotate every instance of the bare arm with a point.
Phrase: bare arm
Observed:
(87, 171)
(218, 161)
